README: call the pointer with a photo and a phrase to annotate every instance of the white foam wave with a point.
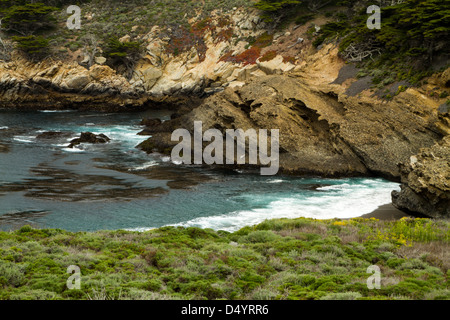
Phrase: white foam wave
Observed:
(177, 162)
(139, 229)
(144, 166)
(4, 127)
(334, 187)
(275, 181)
(25, 139)
(74, 149)
(351, 201)
(125, 134)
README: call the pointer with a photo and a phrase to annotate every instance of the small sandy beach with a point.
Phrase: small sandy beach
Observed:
(386, 212)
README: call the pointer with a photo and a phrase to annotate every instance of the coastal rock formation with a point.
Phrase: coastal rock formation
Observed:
(425, 189)
(50, 85)
(323, 130)
(331, 123)
(89, 137)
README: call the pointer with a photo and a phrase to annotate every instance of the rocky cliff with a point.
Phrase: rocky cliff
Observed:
(175, 65)
(425, 186)
(58, 85)
(323, 129)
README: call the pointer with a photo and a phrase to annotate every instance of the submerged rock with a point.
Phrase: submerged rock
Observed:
(425, 189)
(50, 135)
(89, 137)
(4, 148)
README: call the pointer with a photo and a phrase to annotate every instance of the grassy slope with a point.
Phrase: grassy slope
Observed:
(278, 259)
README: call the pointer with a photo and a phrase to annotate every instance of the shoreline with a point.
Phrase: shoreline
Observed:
(386, 212)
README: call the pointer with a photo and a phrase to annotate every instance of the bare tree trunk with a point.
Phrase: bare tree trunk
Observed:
(90, 48)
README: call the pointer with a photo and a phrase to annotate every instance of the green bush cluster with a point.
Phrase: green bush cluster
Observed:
(26, 22)
(277, 259)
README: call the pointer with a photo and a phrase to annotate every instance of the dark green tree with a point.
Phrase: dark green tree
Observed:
(275, 5)
(123, 54)
(28, 19)
(34, 46)
(26, 22)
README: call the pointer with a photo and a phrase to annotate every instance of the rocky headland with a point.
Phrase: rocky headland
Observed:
(332, 123)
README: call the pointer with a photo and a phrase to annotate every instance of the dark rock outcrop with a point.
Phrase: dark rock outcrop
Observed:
(4, 148)
(51, 135)
(322, 130)
(89, 137)
(425, 189)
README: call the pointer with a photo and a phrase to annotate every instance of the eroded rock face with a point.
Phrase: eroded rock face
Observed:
(195, 71)
(425, 186)
(322, 130)
(49, 85)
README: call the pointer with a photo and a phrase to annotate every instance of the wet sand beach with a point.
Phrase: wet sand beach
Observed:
(386, 212)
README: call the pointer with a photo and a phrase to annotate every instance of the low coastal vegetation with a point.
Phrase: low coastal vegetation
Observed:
(277, 259)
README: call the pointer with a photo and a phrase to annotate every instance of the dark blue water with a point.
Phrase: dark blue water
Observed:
(117, 186)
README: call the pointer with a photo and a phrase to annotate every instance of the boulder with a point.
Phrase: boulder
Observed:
(89, 137)
(100, 60)
(149, 75)
(77, 81)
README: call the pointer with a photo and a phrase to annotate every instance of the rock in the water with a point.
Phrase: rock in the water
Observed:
(159, 142)
(4, 148)
(151, 122)
(426, 182)
(89, 137)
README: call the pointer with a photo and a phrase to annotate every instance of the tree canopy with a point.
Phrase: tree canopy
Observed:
(28, 19)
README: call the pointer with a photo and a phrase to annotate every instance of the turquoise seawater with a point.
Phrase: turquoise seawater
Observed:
(116, 186)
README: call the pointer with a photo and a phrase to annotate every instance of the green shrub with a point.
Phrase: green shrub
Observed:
(12, 274)
(33, 46)
(249, 281)
(342, 296)
(273, 260)
(202, 289)
(124, 54)
(25, 229)
(33, 294)
(260, 236)
(28, 18)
